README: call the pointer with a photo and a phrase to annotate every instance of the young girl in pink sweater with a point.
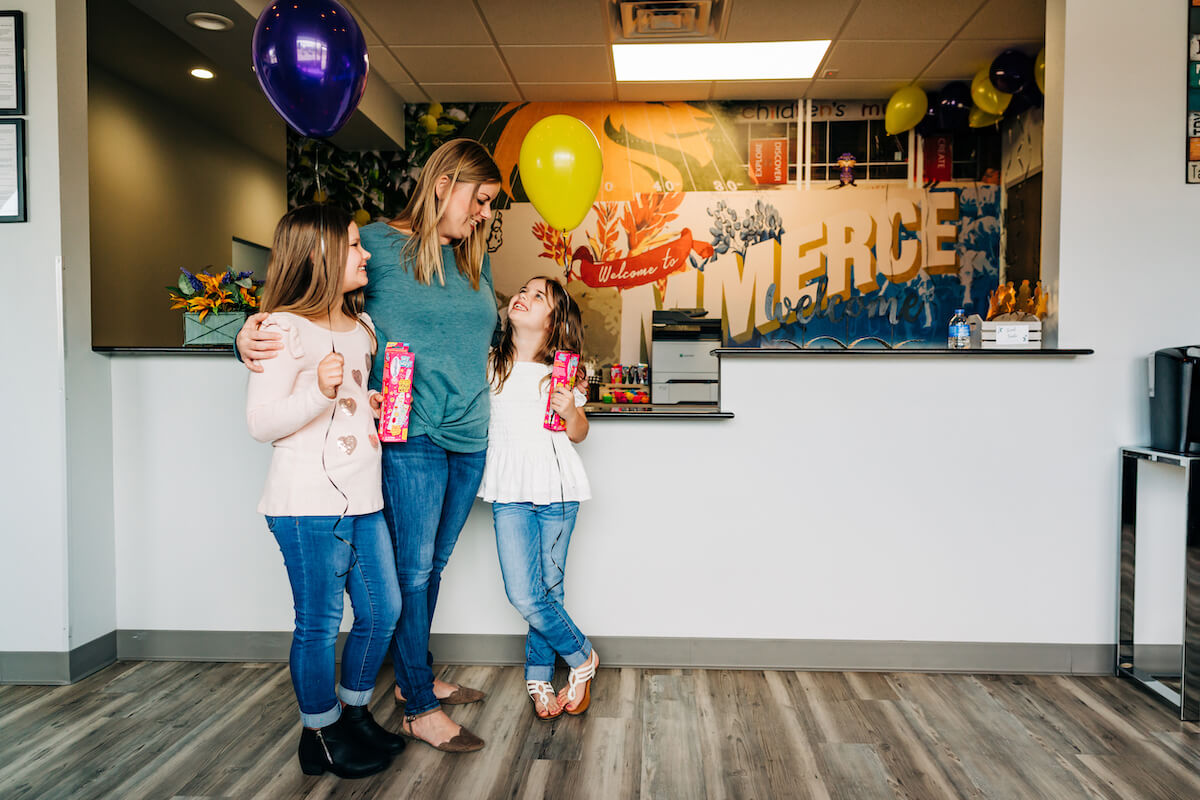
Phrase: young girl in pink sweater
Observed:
(322, 498)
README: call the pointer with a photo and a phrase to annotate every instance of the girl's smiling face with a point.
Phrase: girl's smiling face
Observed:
(529, 309)
(357, 257)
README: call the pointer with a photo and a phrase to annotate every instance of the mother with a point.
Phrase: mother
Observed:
(430, 286)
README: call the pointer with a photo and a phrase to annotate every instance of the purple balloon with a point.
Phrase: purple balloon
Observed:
(929, 122)
(954, 107)
(311, 61)
(1011, 71)
(1027, 98)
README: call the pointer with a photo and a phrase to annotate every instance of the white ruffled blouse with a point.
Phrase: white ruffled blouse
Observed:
(525, 462)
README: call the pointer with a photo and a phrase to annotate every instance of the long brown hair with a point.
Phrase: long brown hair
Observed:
(566, 333)
(463, 161)
(308, 261)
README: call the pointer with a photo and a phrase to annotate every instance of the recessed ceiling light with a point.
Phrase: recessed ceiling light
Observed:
(202, 73)
(718, 61)
(208, 21)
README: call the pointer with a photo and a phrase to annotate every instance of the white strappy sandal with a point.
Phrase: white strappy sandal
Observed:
(543, 692)
(579, 686)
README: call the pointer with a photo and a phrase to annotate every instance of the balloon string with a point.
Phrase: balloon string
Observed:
(317, 173)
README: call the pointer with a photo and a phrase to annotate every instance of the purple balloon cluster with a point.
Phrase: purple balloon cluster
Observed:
(950, 108)
(311, 60)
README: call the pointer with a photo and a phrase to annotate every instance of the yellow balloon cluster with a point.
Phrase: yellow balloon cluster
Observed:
(561, 167)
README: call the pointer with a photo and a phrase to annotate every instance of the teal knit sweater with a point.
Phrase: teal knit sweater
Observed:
(448, 328)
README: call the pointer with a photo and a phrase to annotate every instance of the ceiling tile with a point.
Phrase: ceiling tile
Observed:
(908, 19)
(861, 59)
(570, 63)
(962, 58)
(838, 89)
(472, 92)
(1010, 19)
(697, 90)
(546, 92)
(385, 65)
(774, 21)
(443, 22)
(547, 21)
(759, 90)
(465, 64)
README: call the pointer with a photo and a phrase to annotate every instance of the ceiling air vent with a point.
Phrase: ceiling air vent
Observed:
(658, 19)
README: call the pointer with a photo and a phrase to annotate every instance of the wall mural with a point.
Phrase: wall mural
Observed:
(889, 262)
(680, 223)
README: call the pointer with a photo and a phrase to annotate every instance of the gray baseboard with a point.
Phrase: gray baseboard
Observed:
(616, 651)
(57, 668)
(659, 652)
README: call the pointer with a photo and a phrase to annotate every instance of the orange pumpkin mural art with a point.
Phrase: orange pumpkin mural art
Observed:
(647, 147)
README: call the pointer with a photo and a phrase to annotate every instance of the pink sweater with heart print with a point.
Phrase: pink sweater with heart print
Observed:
(285, 407)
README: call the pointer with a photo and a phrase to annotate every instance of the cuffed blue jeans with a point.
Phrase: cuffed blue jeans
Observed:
(427, 493)
(322, 562)
(532, 542)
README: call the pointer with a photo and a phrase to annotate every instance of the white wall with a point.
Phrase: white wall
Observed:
(57, 589)
(840, 503)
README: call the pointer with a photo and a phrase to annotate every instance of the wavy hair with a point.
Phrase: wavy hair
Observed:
(463, 161)
(308, 261)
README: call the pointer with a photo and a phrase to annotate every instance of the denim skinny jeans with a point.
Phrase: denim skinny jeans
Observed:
(322, 563)
(427, 493)
(532, 542)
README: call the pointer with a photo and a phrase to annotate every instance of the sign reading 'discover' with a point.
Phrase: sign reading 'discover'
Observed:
(769, 160)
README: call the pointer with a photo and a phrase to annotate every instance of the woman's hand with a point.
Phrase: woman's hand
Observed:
(376, 401)
(563, 402)
(329, 374)
(254, 344)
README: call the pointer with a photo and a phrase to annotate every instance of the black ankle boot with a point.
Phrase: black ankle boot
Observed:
(337, 749)
(359, 721)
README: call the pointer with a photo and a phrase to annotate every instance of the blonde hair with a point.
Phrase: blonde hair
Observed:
(463, 161)
(308, 261)
(565, 333)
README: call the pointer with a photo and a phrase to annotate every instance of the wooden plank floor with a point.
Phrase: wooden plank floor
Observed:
(192, 730)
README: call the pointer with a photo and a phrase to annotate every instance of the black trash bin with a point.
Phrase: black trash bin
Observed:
(1175, 399)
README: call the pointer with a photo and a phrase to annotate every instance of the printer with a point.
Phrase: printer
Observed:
(682, 366)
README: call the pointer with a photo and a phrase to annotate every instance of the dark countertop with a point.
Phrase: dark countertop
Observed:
(903, 352)
(649, 411)
(208, 349)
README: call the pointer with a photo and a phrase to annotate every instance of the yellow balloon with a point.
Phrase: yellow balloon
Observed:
(561, 167)
(1039, 70)
(987, 96)
(979, 118)
(906, 108)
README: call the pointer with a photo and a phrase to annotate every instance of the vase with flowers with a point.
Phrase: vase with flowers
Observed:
(215, 306)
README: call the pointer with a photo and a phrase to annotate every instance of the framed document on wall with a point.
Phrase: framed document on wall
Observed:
(12, 170)
(12, 63)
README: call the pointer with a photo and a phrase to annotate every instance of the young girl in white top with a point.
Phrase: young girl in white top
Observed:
(322, 499)
(535, 481)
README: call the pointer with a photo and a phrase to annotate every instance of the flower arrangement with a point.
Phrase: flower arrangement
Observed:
(201, 293)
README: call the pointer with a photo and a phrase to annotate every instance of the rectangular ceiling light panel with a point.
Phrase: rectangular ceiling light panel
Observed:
(718, 61)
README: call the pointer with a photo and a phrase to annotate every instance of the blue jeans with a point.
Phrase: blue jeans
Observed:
(322, 563)
(427, 494)
(532, 543)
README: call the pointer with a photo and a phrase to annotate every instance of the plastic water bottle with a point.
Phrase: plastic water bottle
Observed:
(960, 331)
